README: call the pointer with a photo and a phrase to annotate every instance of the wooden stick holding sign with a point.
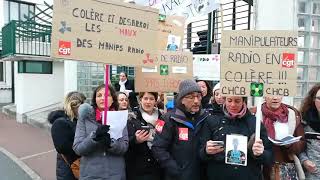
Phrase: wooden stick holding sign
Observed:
(258, 116)
(106, 95)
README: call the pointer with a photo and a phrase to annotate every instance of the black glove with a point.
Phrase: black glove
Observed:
(102, 132)
(108, 140)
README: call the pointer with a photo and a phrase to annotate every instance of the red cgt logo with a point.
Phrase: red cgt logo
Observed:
(288, 60)
(64, 48)
(183, 134)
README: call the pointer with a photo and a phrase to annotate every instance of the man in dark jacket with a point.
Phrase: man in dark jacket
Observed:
(176, 144)
(126, 86)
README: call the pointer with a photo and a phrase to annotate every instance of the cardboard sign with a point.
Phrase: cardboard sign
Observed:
(109, 32)
(259, 63)
(236, 150)
(191, 9)
(206, 67)
(171, 33)
(166, 72)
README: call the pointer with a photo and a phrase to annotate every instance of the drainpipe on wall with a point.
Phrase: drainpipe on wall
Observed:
(12, 82)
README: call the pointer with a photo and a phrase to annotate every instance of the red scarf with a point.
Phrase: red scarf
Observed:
(99, 116)
(269, 117)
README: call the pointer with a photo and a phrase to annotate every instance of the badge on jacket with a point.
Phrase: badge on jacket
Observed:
(183, 134)
(159, 125)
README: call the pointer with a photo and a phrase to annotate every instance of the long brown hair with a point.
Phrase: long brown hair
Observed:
(308, 101)
(114, 105)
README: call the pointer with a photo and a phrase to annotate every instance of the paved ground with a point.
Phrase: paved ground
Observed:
(10, 170)
(29, 145)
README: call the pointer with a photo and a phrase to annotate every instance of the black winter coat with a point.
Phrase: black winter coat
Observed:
(216, 129)
(139, 159)
(215, 109)
(132, 95)
(62, 133)
(177, 143)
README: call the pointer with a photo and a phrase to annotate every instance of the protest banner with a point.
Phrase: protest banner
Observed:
(190, 9)
(166, 74)
(258, 63)
(206, 67)
(109, 32)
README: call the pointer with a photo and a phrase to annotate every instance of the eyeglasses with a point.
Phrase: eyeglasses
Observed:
(192, 97)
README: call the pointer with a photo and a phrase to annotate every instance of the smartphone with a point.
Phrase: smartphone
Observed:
(146, 128)
(218, 143)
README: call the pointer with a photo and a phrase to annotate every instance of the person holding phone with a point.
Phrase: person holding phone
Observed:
(236, 120)
(140, 163)
(310, 111)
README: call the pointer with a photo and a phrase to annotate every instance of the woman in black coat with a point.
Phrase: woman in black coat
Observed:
(62, 132)
(236, 120)
(140, 163)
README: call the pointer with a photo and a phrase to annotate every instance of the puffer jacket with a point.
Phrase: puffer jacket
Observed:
(97, 161)
(216, 129)
(176, 145)
(62, 133)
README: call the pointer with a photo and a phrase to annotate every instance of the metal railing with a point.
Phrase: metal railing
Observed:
(202, 34)
(26, 38)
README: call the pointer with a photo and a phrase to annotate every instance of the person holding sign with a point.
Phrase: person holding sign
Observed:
(140, 163)
(177, 137)
(310, 111)
(225, 146)
(282, 120)
(101, 156)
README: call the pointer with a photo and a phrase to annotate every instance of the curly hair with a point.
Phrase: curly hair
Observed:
(112, 92)
(72, 101)
(308, 102)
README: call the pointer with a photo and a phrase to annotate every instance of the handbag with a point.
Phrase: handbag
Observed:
(74, 166)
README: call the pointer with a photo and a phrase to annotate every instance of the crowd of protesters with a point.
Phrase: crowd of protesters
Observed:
(187, 142)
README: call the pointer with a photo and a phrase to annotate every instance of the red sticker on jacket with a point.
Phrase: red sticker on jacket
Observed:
(183, 134)
(159, 125)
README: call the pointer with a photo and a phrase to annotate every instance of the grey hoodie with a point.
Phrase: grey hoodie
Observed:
(97, 162)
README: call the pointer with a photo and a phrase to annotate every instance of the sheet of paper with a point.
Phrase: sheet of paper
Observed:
(285, 141)
(117, 120)
(236, 150)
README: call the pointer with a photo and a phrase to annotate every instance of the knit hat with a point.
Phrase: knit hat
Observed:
(186, 87)
(216, 87)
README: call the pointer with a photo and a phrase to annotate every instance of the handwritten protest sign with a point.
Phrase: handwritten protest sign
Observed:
(259, 63)
(206, 67)
(166, 74)
(190, 9)
(103, 31)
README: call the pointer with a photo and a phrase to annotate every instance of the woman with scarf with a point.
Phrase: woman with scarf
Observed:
(311, 115)
(282, 120)
(206, 92)
(141, 165)
(217, 101)
(236, 120)
(101, 156)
